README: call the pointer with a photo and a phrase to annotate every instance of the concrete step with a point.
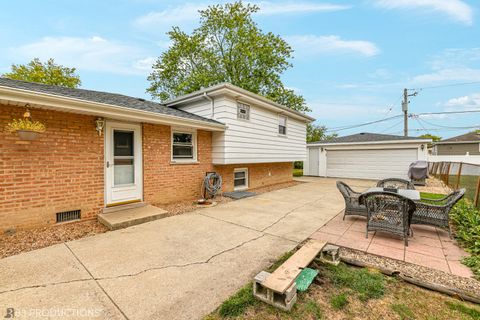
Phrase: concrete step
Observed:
(124, 207)
(131, 216)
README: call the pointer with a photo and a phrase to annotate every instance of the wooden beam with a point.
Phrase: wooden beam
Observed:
(282, 278)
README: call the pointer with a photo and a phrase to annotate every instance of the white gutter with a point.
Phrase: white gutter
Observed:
(206, 96)
(455, 142)
(105, 110)
(367, 143)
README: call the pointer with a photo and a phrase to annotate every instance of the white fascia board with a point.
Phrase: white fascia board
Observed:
(390, 142)
(240, 94)
(455, 142)
(74, 105)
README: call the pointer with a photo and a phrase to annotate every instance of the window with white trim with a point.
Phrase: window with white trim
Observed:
(243, 111)
(183, 146)
(282, 125)
(240, 179)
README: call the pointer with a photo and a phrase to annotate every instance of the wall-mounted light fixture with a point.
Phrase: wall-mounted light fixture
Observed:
(422, 147)
(99, 125)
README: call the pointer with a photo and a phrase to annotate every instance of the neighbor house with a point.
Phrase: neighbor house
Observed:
(365, 156)
(103, 149)
(459, 145)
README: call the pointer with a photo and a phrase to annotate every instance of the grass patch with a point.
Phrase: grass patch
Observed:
(432, 196)
(280, 260)
(473, 313)
(238, 303)
(339, 301)
(297, 172)
(312, 308)
(403, 311)
(368, 285)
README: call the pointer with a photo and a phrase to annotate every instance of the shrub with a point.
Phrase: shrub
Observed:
(25, 124)
(466, 219)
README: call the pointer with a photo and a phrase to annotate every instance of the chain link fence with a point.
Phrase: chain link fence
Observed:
(459, 175)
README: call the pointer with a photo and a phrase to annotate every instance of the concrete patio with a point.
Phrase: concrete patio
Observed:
(183, 267)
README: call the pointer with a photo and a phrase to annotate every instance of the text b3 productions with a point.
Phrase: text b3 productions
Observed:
(60, 313)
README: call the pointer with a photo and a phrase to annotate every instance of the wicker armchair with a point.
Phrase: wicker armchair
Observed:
(389, 212)
(395, 183)
(436, 212)
(352, 206)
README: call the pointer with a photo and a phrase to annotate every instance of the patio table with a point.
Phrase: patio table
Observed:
(410, 194)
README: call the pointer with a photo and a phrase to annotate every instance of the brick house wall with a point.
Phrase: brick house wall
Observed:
(165, 182)
(61, 171)
(259, 174)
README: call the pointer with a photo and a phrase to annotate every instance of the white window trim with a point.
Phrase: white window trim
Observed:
(286, 125)
(249, 110)
(194, 141)
(240, 188)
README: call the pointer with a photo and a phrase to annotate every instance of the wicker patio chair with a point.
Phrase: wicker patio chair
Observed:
(352, 206)
(395, 183)
(436, 212)
(388, 212)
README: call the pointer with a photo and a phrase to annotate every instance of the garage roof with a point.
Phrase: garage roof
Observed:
(366, 137)
(471, 137)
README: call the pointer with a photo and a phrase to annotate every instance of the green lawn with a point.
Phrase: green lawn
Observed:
(297, 172)
(467, 182)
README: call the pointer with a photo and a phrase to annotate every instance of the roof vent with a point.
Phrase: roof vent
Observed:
(141, 99)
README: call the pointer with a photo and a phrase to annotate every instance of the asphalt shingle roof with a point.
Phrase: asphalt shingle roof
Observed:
(102, 97)
(367, 137)
(471, 136)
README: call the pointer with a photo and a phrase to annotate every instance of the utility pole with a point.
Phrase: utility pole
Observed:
(405, 109)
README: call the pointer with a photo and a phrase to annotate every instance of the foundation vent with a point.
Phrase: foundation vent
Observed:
(68, 216)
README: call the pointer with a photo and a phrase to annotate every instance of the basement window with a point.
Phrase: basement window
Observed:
(184, 146)
(240, 179)
(243, 111)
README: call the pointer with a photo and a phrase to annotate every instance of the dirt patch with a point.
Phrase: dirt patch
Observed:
(31, 239)
(277, 186)
(433, 185)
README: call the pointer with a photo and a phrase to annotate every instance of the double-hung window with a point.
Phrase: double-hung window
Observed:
(243, 111)
(183, 146)
(282, 125)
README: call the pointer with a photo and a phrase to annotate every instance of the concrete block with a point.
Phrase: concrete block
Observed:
(283, 301)
(330, 254)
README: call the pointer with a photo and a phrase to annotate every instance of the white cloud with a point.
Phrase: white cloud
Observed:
(94, 53)
(451, 74)
(187, 14)
(455, 9)
(468, 102)
(312, 45)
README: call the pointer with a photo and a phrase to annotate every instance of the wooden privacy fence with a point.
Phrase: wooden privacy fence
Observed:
(458, 175)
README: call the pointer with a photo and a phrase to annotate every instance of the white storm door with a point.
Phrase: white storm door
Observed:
(123, 163)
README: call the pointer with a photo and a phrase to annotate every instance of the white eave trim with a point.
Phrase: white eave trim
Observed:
(368, 142)
(245, 95)
(105, 110)
(455, 142)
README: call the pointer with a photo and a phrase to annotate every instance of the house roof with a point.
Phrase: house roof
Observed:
(366, 137)
(108, 98)
(473, 137)
(222, 87)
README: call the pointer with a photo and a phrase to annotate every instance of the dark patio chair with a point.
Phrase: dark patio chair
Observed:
(435, 212)
(395, 183)
(352, 206)
(388, 212)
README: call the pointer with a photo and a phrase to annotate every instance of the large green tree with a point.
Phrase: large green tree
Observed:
(318, 133)
(228, 46)
(45, 72)
(431, 136)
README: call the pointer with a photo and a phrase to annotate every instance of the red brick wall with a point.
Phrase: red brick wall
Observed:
(165, 182)
(62, 170)
(259, 174)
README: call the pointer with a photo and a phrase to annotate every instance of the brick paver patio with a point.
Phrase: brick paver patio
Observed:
(430, 247)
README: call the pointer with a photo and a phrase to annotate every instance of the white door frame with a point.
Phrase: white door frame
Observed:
(116, 195)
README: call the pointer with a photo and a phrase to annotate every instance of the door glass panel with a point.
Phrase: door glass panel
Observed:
(123, 158)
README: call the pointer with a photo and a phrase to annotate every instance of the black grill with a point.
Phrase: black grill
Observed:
(68, 216)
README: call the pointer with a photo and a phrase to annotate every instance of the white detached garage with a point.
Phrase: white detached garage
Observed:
(364, 156)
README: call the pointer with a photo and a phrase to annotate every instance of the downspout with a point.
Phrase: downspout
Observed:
(206, 96)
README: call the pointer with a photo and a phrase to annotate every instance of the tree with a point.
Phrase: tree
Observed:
(45, 72)
(318, 133)
(228, 46)
(430, 136)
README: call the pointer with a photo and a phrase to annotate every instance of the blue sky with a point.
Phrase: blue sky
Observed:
(352, 58)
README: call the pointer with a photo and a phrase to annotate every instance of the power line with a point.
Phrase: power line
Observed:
(450, 85)
(447, 127)
(391, 127)
(445, 112)
(362, 124)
